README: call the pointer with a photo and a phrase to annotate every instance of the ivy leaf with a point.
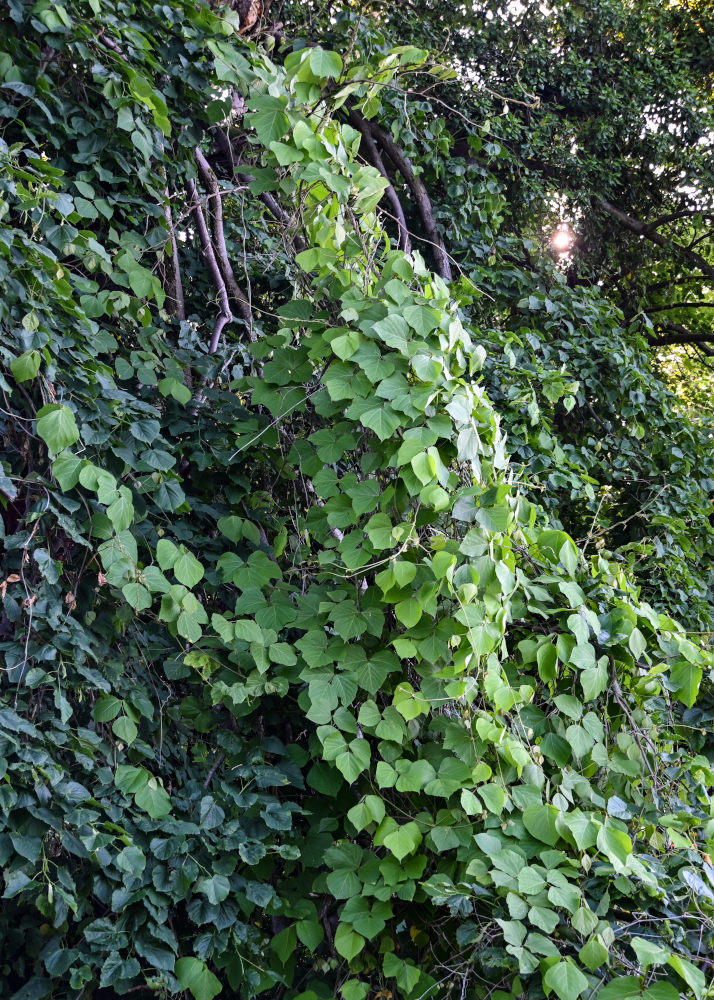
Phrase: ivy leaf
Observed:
(26, 366)
(153, 799)
(382, 420)
(566, 980)
(187, 569)
(540, 821)
(324, 63)
(195, 976)
(56, 426)
(347, 942)
(403, 841)
(66, 469)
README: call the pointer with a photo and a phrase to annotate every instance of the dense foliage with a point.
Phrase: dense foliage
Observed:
(307, 691)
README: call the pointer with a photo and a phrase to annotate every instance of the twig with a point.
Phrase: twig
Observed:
(219, 760)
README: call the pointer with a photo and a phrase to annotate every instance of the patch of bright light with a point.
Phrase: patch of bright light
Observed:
(562, 240)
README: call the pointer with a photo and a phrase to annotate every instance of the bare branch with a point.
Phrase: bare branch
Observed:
(372, 154)
(270, 203)
(680, 305)
(642, 229)
(675, 333)
(676, 216)
(216, 208)
(207, 248)
(418, 188)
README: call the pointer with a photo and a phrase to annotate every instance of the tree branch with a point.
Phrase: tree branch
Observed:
(642, 229)
(207, 248)
(418, 188)
(372, 154)
(680, 305)
(675, 216)
(219, 240)
(273, 206)
(675, 333)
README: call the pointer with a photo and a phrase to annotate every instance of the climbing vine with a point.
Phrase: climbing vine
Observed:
(303, 695)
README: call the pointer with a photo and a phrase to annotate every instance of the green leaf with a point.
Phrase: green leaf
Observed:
(270, 121)
(231, 527)
(404, 840)
(530, 882)
(66, 468)
(685, 678)
(494, 797)
(195, 976)
(26, 366)
(353, 761)
(347, 942)
(566, 980)
(593, 953)
(408, 612)
(172, 387)
(540, 822)
(124, 729)
(310, 932)
(187, 569)
(382, 420)
(106, 708)
(693, 977)
(121, 512)
(130, 779)
(544, 917)
(153, 799)
(137, 596)
(614, 843)
(56, 426)
(349, 622)
(584, 920)
(324, 63)
(547, 658)
(215, 888)
(36, 988)
(649, 952)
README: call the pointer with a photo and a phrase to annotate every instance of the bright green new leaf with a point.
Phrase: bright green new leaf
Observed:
(56, 426)
(26, 366)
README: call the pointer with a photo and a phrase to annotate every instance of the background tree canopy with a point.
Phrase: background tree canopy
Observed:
(356, 574)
